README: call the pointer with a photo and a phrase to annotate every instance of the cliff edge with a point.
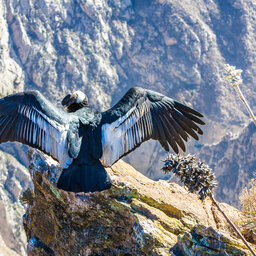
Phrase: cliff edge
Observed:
(137, 216)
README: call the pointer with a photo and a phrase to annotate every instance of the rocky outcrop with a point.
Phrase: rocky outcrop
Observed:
(233, 161)
(5, 250)
(11, 73)
(14, 178)
(137, 216)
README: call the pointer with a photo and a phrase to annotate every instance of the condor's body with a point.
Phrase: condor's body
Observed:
(86, 173)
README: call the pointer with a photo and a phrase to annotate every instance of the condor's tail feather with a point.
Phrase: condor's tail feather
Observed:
(84, 178)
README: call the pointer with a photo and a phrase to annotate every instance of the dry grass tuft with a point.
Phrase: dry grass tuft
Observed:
(248, 198)
(248, 202)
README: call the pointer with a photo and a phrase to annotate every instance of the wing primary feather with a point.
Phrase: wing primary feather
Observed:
(30, 133)
(12, 124)
(155, 130)
(3, 123)
(39, 124)
(144, 125)
(133, 135)
(169, 138)
(133, 143)
(175, 135)
(157, 136)
(141, 129)
(190, 125)
(146, 120)
(157, 122)
(192, 117)
(185, 123)
(137, 129)
(137, 133)
(31, 126)
(34, 134)
(44, 135)
(184, 108)
(158, 106)
(26, 114)
(20, 127)
(177, 127)
(163, 140)
(34, 120)
(149, 123)
(23, 135)
(37, 137)
(31, 136)
(166, 106)
(27, 130)
(129, 139)
(4, 129)
(40, 137)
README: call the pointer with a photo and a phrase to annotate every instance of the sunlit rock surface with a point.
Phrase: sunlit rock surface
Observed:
(14, 178)
(5, 250)
(137, 216)
(11, 73)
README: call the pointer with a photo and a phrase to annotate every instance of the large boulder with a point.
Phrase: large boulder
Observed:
(137, 216)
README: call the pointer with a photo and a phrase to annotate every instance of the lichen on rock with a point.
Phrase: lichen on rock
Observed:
(137, 216)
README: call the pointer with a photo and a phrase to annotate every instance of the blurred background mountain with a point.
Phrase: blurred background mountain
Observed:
(103, 48)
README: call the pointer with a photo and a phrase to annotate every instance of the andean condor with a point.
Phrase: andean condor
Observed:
(84, 140)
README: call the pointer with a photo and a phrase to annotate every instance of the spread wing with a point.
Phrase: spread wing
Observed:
(142, 115)
(31, 119)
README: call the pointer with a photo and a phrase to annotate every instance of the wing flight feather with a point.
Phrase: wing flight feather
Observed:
(31, 119)
(142, 115)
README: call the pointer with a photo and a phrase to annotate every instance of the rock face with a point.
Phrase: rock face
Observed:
(104, 47)
(12, 76)
(233, 161)
(137, 216)
(14, 178)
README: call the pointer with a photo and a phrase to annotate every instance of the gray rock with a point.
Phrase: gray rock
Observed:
(233, 161)
(11, 73)
(14, 179)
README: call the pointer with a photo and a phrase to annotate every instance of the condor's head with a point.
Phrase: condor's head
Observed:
(74, 101)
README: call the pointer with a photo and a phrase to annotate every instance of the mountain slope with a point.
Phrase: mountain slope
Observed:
(178, 48)
(14, 179)
(233, 160)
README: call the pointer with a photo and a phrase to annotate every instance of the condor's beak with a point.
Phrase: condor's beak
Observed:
(68, 100)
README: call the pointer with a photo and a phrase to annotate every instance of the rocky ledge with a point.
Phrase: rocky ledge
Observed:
(137, 216)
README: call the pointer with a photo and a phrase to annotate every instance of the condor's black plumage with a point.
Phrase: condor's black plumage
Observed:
(84, 140)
